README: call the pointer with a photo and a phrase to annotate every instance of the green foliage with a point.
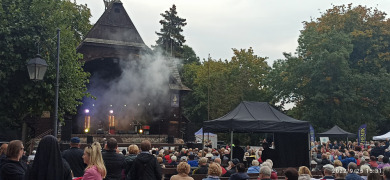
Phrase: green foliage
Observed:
(23, 24)
(170, 39)
(218, 86)
(341, 73)
(189, 55)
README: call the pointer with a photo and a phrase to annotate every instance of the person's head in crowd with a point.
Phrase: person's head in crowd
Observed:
(15, 150)
(183, 168)
(235, 161)
(160, 160)
(75, 142)
(209, 155)
(352, 167)
(240, 167)
(324, 156)
(266, 164)
(203, 161)
(174, 158)
(291, 174)
(214, 169)
(3, 149)
(340, 172)
(358, 148)
(226, 152)
(112, 144)
(304, 170)
(328, 169)
(255, 162)
(376, 144)
(93, 157)
(364, 170)
(217, 160)
(365, 153)
(265, 172)
(48, 161)
(337, 163)
(191, 157)
(183, 159)
(386, 173)
(380, 158)
(351, 154)
(385, 159)
(145, 145)
(270, 162)
(374, 175)
(133, 149)
(372, 158)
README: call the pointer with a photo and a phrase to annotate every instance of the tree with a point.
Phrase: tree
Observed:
(218, 86)
(189, 55)
(341, 71)
(170, 38)
(23, 24)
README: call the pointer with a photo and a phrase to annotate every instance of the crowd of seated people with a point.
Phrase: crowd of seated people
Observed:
(337, 160)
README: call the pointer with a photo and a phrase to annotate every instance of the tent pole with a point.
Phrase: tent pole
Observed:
(203, 155)
(231, 145)
(308, 136)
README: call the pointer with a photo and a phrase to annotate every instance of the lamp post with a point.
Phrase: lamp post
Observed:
(36, 69)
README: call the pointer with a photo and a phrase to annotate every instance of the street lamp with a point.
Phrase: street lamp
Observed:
(36, 69)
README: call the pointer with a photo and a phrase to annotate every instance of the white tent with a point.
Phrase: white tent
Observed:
(382, 137)
(207, 136)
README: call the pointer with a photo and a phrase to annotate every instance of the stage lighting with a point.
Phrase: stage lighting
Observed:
(111, 111)
(86, 111)
(141, 131)
(86, 130)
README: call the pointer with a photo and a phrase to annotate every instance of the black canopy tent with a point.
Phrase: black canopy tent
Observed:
(337, 132)
(291, 136)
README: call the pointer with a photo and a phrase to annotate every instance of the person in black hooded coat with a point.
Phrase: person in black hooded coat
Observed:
(48, 163)
(145, 166)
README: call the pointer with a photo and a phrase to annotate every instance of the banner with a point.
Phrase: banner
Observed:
(312, 135)
(362, 134)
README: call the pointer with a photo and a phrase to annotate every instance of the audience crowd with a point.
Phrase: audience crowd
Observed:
(331, 160)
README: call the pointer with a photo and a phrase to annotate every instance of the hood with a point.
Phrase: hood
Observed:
(144, 157)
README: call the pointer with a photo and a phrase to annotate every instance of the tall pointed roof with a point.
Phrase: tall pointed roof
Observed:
(114, 29)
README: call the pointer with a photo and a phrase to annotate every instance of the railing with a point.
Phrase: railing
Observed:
(30, 144)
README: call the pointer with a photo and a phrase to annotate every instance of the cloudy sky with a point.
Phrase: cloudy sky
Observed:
(214, 27)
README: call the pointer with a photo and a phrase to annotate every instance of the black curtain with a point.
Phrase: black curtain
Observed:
(291, 150)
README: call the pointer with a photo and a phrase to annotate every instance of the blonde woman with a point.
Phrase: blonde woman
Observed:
(133, 152)
(215, 171)
(304, 171)
(183, 169)
(95, 167)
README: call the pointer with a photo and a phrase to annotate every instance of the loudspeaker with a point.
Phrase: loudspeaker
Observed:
(66, 131)
(170, 140)
(89, 139)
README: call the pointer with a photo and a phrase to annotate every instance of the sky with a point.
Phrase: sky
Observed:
(214, 27)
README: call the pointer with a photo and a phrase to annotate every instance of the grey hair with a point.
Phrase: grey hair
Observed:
(174, 158)
(265, 170)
